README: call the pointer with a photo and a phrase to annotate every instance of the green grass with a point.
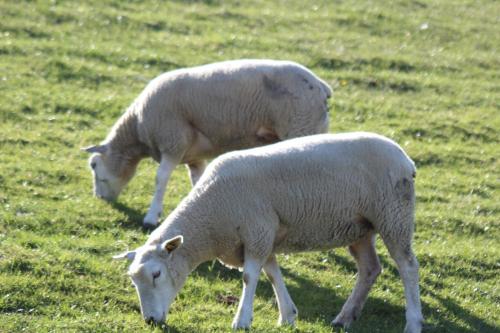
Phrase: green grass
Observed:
(424, 73)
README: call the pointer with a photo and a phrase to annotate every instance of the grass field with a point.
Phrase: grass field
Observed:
(425, 73)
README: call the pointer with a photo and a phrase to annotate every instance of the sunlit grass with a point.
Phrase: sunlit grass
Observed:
(422, 73)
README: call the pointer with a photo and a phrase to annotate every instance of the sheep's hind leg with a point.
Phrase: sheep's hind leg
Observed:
(162, 176)
(251, 272)
(402, 253)
(196, 169)
(369, 268)
(288, 310)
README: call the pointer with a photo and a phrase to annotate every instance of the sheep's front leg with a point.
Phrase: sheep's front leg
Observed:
(162, 176)
(196, 170)
(288, 310)
(251, 272)
(369, 268)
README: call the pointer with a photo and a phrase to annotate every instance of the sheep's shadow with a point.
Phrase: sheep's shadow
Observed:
(314, 302)
(474, 323)
(428, 287)
(317, 303)
(134, 217)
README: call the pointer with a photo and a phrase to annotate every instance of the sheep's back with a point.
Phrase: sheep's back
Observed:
(229, 101)
(323, 188)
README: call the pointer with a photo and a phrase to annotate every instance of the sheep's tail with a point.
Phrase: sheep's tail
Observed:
(414, 169)
(410, 165)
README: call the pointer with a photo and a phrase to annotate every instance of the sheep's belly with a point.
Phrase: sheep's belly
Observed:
(320, 238)
(232, 259)
(236, 139)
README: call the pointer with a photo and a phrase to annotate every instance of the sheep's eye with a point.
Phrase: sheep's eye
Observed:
(155, 276)
(93, 165)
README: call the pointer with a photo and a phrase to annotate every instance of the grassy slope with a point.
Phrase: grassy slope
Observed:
(424, 73)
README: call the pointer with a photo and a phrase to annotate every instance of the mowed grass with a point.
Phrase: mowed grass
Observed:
(425, 73)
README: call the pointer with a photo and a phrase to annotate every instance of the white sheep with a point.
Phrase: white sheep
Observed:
(310, 193)
(193, 114)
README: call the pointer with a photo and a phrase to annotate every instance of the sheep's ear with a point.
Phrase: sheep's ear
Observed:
(101, 149)
(171, 244)
(129, 255)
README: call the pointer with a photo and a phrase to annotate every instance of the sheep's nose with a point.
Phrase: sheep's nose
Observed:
(150, 320)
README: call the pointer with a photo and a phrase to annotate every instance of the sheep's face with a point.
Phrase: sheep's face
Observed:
(107, 186)
(154, 277)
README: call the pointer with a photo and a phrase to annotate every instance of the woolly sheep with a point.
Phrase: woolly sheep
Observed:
(193, 114)
(304, 194)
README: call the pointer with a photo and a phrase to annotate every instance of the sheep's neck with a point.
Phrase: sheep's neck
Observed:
(126, 149)
(197, 247)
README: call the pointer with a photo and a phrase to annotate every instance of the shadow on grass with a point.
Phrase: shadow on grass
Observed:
(474, 323)
(314, 302)
(317, 303)
(428, 287)
(134, 217)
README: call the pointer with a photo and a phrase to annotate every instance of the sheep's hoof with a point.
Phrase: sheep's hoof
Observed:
(240, 326)
(241, 323)
(288, 320)
(149, 221)
(149, 226)
(414, 327)
(338, 324)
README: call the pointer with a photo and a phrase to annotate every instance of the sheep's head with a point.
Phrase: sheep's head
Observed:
(156, 277)
(107, 185)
